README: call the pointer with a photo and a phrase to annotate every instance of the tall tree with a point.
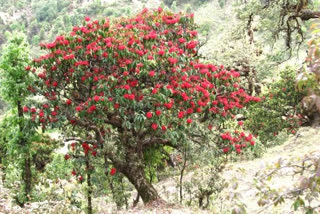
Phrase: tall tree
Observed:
(282, 18)
(14, 80)
(133, 85)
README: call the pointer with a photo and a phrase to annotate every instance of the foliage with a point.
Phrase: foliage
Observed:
(46, 16)
(279, 110)
(17, 131)
(205, 184)
(304, 192)
(38, 150)
(278, 19)
(309, 79)
(14, 78)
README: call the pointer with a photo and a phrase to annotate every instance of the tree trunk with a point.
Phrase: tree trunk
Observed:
(27, 176)
(89, 193)
(26, 170)
(136, 176)
(182, 173)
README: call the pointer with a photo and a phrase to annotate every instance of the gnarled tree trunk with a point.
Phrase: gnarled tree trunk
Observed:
(132, 167)
(137, 177)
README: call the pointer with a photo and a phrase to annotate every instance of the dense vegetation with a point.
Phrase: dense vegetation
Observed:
(104, 98)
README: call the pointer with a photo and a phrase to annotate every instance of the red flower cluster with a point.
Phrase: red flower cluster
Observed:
(237, 141)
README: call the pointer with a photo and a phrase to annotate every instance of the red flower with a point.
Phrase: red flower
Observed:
(189, 121)
(164, 128)
(92, 108)
(160, 52)
(127, 87)
(180, 114)
(225, 150)
(158, 112)
(192, 45)
(151, 73)
(152, 35)
(182, 40)
(172, 60)
(87, 18)
(105, 54)
(73, 173)
(96, 98)
(46, 105)
(240, 123)
(149, 115)
(78, 108)
(154, 91)
(154, 126)
(189, 110)
(25, 109)
(54, 113)
(121, 47)
(249, 137)
(67, 157)
(41, 114)
(129, 96)
(68, 102)
(113, 171)
(55, 84)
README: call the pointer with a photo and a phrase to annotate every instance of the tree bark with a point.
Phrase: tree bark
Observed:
(182, 173)
(306, 14)
(136, 176)
(89, 193)
(26, 170)
(27, 176)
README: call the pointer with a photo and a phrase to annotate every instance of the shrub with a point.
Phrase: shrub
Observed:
(280, 109)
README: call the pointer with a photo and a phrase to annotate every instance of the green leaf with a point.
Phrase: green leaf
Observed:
(298, 203)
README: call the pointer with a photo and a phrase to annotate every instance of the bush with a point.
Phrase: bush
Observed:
(280, 109)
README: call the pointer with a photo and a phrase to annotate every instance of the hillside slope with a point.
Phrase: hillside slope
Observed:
(241, 175)
(305, 143)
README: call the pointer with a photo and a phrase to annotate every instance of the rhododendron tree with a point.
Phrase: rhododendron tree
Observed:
(134, 84)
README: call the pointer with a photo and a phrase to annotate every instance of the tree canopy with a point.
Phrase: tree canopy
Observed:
(133, 84)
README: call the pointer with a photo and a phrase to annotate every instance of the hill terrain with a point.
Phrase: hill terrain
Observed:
(304, 144)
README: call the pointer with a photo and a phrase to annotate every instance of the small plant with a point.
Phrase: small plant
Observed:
(304, 193)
